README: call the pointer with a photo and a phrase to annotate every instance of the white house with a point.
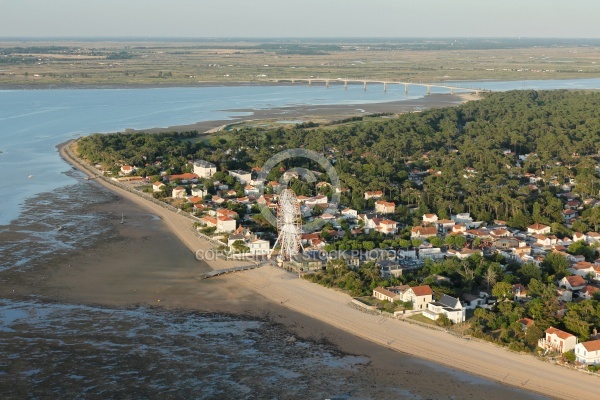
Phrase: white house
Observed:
(385, 207)
(430, 218)
(569, 215)
(157, 186)
(463, 253)
(592, 237)
(472, 301)
(419, 296)
(313, 201)
(538, 229)
(199, 192)
(349, 213)
(241, 176)
(423, 232)
(386, 226)
(557, 340)
(127, 169)
(222, 224)
(376, 194)
(448, 306)
(583, 268)
(204, 169)
(573, 282)
(259, 247)
(588, 352)
(178, 193)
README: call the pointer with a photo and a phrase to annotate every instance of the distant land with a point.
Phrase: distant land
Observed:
(108, 61)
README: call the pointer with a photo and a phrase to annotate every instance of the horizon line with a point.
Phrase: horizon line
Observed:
(146, 37)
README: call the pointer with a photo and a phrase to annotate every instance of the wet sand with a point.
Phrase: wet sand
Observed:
(142, 261)
(327, 112)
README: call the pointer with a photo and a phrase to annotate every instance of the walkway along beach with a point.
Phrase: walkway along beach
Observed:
(331, 307)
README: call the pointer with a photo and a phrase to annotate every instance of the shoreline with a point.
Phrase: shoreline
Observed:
(278, 288)
(325, 112)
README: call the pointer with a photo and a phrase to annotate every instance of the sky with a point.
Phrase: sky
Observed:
(300, 18)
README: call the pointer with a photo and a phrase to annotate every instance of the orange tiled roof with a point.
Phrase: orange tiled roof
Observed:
(561, 334)
(422, 290)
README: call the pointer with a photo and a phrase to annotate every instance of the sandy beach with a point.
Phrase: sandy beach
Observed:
(274, 291)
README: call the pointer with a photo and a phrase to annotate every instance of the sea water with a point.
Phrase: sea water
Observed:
(33, 122)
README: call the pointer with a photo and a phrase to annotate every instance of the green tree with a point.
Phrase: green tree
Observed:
(502, 290)
(436, 241)
(529, 271)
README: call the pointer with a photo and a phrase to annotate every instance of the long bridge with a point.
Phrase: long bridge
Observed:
(385, 84)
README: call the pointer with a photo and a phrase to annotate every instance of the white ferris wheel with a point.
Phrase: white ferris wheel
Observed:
(289, 225)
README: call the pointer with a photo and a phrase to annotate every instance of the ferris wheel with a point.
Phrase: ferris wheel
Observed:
(289, 225)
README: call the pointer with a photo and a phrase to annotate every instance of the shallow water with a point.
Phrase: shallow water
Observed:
(142, 352)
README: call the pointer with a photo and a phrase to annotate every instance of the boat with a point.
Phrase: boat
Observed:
(60, 228)
(30, 177)
(122, 219)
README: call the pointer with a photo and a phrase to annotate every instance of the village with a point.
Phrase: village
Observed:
(226, 205)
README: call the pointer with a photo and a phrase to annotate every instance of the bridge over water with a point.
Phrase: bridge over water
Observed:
(385, 83)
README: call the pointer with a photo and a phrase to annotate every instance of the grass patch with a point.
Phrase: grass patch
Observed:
(421, 318)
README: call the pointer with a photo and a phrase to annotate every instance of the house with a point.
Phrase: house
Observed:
(583, 268)
(444, 225)
(472, 301)
(204, 169)
(178, 193)
(383, 294)
(382, 225)
(349, 213)
(184, 178)
(377, 194)
(577, 236)
(557, 340)
(423, 232)
(127, 169)
(546, 241)
(434, 253)
(158, 186)
(223, 212)
(430, 218)
(588, 292)
(573, 282)
(194, 199)
(463, 253)
(313, 201)
(525, 323)
(241, 176)
(304, 262)
(519, 292)
(419, 296)
(222, 224)
(588, 352)
(592, 237)
(199, 192)
(538, 229)
(569, 215)
(259, 247)
(385, 207)
(386, 226)
(447, 305)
